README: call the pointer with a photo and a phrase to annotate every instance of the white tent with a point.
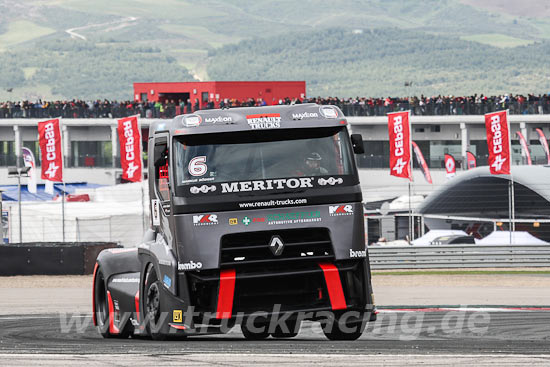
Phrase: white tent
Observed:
(116, 213)
(434, 233)
(518, 238)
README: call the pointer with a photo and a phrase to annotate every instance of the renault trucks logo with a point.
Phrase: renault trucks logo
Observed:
(262, 185)
(205, 220)
(305, 115)
(276, 245)
(338, 210)
(264, 121)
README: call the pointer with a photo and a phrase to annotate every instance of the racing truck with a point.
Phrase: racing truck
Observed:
(256, 220)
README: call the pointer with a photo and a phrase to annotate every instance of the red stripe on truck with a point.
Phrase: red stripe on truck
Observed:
(225, 294)
(334, 286)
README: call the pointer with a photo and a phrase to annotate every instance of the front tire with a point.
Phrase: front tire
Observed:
(256, 331)
(152, 304)
(340, 327)
(291, 331)
(101, 305)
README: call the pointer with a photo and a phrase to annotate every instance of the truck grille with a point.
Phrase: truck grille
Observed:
(252, 248)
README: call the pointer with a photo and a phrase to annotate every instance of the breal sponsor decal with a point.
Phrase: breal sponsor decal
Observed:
(357, 253)
(264, 121)
(191, 265)
(271, 184)
(338, 210)
(305, 115)
(205, 220)
(218, 119)
(294, 218)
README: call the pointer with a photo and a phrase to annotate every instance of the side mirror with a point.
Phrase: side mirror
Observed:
(357, 144)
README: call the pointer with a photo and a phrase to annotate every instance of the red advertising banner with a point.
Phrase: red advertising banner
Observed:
(498, 140)
(49, 137)
(471, 160)
(524, 146)
(450, 165)
(422, 163)
(544, 144)
(400, 144)
(129, 137)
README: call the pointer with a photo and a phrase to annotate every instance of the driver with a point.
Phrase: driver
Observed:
(313, 165)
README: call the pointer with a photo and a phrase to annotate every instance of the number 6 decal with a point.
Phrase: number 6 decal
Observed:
(197, 166)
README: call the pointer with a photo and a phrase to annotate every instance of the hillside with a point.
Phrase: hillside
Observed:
(378, 62)
(83, 49)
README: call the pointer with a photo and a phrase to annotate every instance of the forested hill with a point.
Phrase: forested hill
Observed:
(95, 49)
(378, 63)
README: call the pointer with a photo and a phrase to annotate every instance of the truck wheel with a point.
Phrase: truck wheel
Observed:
(258, 332)
(335, 329)
(101, 304)
(292, 327)
(152, 301)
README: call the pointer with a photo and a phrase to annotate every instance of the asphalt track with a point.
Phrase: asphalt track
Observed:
(433, 336)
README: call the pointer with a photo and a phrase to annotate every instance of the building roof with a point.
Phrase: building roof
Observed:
(478, 193)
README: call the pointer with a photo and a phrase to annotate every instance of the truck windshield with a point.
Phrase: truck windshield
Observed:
(260, 155)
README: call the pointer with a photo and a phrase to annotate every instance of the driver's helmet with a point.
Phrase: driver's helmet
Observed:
(314, 157)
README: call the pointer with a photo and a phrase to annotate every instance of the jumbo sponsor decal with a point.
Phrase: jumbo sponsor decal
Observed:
(205, 220)
(498, 140)
(129, 136)
(264, 121)
(400, 144)
(191, 265)
(49, 135)
(339, 210)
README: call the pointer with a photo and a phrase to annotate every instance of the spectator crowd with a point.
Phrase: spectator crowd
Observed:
(358, 106)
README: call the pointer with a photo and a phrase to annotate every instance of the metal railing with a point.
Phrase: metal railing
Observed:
(459, 256)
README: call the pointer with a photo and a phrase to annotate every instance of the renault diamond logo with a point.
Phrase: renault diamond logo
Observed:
(276, 245)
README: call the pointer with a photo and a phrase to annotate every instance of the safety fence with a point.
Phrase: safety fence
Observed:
(459, 256)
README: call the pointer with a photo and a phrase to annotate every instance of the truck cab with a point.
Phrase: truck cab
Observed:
(256, 214)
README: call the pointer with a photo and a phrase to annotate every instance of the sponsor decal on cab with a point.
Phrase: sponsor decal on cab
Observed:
(205, 220)
(191, 265)
(264, 121)
(305, 115)
(218, 119)
(262, 185)
(357, 253)
(293, 218)
(338, 210)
